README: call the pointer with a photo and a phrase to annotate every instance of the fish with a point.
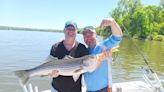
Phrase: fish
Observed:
(68, 66)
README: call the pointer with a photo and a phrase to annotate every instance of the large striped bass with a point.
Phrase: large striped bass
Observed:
(68, 66)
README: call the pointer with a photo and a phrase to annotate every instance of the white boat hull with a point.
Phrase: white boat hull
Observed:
(132, 86)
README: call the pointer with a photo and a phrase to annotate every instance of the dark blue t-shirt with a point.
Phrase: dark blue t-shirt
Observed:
(66, 83)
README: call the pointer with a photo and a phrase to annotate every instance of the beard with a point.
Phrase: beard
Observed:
(90, 44)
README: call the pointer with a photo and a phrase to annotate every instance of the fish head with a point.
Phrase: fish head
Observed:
(90, 62)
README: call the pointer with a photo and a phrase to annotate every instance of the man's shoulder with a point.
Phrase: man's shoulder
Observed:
(56, 44)
(81, 45)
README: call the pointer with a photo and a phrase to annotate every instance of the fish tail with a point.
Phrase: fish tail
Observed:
(23, 75)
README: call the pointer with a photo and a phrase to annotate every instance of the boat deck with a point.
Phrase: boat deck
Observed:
(133, 86)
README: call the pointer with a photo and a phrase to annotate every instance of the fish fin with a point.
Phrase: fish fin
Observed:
(79, 70)
(23, 75)
(76, 77)
(68, 57)
(115, 49)
(50, 58)
(43, 75)
(48, 63)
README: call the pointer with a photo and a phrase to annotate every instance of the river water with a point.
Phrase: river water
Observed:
(27, 49)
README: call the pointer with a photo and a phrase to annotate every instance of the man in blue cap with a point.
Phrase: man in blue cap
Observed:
(99, 80)
(68, 46)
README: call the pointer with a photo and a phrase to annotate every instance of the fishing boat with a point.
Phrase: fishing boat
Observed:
(132, 86)
(150, 83)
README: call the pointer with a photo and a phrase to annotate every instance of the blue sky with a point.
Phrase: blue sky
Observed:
(52, 14)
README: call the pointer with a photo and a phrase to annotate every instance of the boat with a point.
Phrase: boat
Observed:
(150, 83)
(132, 86)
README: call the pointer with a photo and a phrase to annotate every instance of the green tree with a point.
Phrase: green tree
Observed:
(125, 9)
(162, 3)
(146, 22)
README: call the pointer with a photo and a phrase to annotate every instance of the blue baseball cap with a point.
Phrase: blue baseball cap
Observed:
(71, 23)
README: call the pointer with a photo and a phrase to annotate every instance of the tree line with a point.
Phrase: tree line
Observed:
(143, 22)
(28, 29)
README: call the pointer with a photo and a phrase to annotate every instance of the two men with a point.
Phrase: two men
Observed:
(96, 81)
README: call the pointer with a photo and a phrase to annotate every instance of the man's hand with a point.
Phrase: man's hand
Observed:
(54, 73)
(116, 30)
(106, 22)
(107, 53)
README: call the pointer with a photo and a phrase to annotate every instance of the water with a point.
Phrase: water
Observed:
(26, 49)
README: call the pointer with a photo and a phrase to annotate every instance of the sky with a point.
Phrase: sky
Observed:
(52, 14)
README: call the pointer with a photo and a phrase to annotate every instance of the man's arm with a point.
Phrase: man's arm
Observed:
(116, 36)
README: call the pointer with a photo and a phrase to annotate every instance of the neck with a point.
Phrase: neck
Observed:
(92, 46)
(69, 43)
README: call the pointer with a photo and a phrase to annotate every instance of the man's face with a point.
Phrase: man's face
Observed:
(70, 31)
(90, 39)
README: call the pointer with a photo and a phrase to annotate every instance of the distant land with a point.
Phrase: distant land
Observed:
(28, 29)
